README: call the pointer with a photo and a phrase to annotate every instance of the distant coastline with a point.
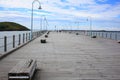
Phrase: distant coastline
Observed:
(12, 26)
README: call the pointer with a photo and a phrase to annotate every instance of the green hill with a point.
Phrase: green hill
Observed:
(11, 26)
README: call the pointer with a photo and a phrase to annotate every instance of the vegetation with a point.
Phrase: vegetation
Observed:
(11, 26)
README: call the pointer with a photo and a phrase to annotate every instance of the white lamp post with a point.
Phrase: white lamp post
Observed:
(32, 15)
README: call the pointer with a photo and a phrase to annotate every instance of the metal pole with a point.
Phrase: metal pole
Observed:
(29, 36)
(91, 26)
(26, 37)
(110, 35)
(19, 39)
(32, 17)
(32, 22)
(41, 23)
(13, 41)
(23, 37)
(115, 35)
(106, 34)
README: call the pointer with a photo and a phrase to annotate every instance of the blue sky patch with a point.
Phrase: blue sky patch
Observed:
(62, 12)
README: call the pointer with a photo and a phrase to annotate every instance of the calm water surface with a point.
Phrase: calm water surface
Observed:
(9, 35)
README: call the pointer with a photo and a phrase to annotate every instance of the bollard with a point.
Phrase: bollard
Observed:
(5, 43)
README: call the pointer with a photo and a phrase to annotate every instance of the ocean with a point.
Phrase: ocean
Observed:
(9, 35)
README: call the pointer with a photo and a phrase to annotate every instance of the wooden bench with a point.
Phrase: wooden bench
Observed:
(24, 70)
(46, 36)
(48, 32)
(77, 33)
(43, 40)
(118, 41)
(94, 37)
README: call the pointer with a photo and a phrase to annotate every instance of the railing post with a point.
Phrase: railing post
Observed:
(99, 34)
(102, 35)
(29, 37)
(26, 37)
(37, 34)
(116, 36)
(19, 39)
(5, 43)
(106, 34)
(33, 35)
(110, 35)
(13, 41)
(23, 37)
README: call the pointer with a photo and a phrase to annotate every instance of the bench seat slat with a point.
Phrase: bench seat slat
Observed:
(24, 68)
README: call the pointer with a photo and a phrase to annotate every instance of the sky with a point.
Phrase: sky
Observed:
(63, 14)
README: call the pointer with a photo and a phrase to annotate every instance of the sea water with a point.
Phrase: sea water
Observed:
(9, 35)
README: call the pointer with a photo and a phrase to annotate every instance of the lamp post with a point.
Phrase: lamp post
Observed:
(46, 23)
(32, 15)
(90, 24)
(42, 22)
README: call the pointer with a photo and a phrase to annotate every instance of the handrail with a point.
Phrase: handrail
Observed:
(17, 40)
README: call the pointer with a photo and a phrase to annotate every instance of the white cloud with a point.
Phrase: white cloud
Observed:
(56, 7)
(12, 14)
(15, 3)
(102, 0)
(80, 2)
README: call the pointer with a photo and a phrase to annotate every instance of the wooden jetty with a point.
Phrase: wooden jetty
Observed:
(67, 56)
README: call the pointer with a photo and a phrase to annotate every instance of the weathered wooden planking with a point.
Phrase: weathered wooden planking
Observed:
(23, 70)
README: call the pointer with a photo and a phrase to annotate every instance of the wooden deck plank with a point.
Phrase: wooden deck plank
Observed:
(69, 57)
